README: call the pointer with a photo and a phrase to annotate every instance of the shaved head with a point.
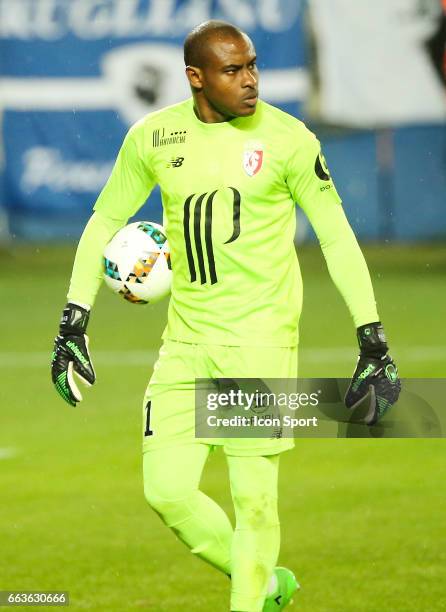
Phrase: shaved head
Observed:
(196, 45)
(222, 72)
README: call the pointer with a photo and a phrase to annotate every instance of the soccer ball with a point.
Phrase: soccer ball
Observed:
(137, 263)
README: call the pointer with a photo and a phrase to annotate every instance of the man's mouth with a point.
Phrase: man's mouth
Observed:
(251, 99)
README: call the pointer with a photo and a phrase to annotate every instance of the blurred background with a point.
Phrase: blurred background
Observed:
(370, 80)
(363, 520)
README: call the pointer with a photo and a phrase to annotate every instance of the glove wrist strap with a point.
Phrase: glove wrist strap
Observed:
(372, 340)
(74, 320)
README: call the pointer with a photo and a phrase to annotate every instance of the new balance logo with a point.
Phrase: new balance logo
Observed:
(175, 163)
(196, 203)
(160, 137)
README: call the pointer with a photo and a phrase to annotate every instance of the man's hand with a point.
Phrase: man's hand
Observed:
(71, 355)
(376, 374)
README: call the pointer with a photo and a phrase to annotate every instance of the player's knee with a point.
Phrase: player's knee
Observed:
(151, 496)
(159, 495)
(255, 511)
(168, 501)
(163, 507)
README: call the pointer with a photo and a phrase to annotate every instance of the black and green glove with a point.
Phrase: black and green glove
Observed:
(376, 374)
(71, 355)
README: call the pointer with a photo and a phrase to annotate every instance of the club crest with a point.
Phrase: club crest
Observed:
(252, 161)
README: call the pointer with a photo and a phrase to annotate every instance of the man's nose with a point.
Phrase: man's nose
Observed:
(250, 78)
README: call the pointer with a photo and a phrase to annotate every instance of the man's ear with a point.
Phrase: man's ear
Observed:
(195, 76)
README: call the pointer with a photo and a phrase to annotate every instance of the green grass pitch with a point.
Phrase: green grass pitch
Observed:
(362, 520)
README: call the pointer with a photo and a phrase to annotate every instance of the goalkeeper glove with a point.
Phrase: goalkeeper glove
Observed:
(375, 375)
(71, 354)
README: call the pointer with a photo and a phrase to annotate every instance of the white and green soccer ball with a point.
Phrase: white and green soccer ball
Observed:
(137, 263)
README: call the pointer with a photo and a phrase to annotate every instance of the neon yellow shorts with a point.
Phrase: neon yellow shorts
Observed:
(169, 401)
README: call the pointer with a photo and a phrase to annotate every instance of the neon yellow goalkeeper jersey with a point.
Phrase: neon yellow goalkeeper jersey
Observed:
(228, 191)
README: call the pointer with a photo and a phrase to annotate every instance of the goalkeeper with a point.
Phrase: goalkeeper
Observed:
(231, 169)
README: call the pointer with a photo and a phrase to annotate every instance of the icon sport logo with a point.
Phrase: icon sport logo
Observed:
(252, 158)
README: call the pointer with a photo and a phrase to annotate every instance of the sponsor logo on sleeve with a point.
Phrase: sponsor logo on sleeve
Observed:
(321, 169)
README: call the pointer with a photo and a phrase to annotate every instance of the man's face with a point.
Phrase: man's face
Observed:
(229, 78)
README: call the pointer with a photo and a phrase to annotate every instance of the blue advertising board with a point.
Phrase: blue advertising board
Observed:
(76, 74)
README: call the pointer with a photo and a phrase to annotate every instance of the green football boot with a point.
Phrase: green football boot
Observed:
(287, 585)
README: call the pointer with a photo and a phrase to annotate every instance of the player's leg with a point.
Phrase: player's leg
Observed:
(174, 459)
(171, 486)
(259, 364)
(256, 541)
